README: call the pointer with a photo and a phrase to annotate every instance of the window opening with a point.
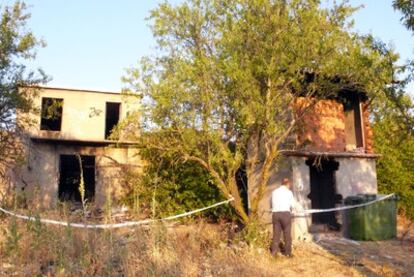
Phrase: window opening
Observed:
(353, 123)
(111, 117)
(51, 114)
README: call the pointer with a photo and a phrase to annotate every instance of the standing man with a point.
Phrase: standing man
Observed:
(282, 205)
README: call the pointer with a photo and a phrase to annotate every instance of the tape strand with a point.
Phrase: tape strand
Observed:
(113, 225)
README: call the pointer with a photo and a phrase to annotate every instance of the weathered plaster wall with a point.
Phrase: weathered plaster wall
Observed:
(39, 178)
(354, 175)
(301, 190)
(83, 115)
(283, 169)
(83, 119)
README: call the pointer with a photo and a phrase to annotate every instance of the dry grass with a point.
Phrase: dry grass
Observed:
(192, 249)
(197, 249)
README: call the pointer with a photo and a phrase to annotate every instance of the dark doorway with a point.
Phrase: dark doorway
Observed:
(70, 177)
(111, 117)
(323, 190)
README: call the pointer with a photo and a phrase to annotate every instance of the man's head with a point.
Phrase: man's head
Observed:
(286, 182)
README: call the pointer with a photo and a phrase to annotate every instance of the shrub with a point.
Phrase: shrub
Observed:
(169, 186)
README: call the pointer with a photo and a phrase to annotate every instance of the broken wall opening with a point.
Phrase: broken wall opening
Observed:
(323, 192)
(70, 177)
(111, 117)
(353, 122)
(51, 114)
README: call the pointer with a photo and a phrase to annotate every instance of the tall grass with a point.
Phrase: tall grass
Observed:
(197, 249)
(31, 248)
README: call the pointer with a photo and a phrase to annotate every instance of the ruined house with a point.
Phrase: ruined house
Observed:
(332, 159)
(333, 155)
(71, 141)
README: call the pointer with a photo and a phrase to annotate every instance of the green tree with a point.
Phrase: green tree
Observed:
(395, 142)
(170, 187)
(393, 124)
(219, 90)
(407, 9)
(17, 45)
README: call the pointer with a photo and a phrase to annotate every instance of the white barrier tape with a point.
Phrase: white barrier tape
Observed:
(112, 225)
(314, 211)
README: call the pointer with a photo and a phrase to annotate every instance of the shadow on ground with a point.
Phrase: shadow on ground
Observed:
(393, 257)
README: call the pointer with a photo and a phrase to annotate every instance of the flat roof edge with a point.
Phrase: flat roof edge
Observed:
(81, 90)
(65, 141)
(301, 153)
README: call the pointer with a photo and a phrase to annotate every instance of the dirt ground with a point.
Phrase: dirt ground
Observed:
(375, 258)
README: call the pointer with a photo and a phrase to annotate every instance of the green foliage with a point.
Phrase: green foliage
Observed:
(17, 45)
(13, 238)
(255, 234)
(81, 184)
(407, 9)
(394, 140)
(218, 92)
(52, 109)
(170, 186)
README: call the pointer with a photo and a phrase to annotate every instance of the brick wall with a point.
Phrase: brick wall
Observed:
(322, 128)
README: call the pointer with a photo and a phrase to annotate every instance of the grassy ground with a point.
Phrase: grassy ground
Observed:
(193, 249)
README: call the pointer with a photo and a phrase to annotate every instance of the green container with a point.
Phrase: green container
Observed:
(377, 221)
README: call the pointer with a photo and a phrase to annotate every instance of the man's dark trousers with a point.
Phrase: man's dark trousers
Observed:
(282, 221)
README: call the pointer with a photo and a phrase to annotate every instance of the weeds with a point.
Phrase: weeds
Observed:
(13, 238)
(255, 234)
(197, 249)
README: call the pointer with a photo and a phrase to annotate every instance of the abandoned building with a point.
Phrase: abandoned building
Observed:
(333, 159)
(71, 141)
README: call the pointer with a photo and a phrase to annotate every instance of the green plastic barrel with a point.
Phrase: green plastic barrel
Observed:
(377, 221)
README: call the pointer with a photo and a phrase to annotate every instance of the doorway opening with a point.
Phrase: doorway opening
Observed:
(323, 191)
(70, 177)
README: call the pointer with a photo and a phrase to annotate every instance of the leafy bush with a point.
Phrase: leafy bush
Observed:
(394, 140)
(169, 186)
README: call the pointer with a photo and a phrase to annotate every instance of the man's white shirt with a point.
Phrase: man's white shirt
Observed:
(282, 199)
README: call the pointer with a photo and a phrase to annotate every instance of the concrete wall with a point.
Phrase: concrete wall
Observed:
(38, 180)
(83, 115)
(282, 169)
(83, 120)
(354, 175)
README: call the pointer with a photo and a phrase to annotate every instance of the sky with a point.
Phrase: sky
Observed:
(90, 43)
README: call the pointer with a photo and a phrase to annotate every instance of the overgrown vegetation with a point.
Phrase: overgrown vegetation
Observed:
(17, 45)
(33, 249)
(393, 118)
(171, 186)
(218, 92)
